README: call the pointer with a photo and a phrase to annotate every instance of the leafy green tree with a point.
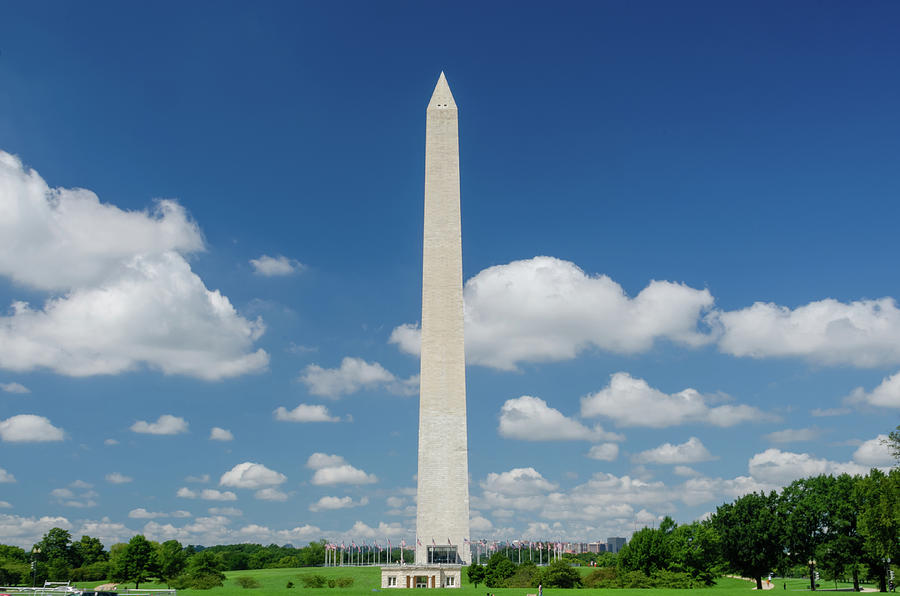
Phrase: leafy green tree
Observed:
(648, 549)
(694, 549)
(55, 545)
(749, 535)
(88, 551)
(879, 519)
(802, 511)
(171, 560)
(841, 548)
(204, 571)
(893, 443)
(14, 566)
(475, 574)
(560, 574)
(313, 555)
(137, 561)
(498, 569)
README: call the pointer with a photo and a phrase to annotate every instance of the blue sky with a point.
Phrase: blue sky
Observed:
(679, 242)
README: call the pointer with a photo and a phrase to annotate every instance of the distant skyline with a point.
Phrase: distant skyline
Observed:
(679, 255)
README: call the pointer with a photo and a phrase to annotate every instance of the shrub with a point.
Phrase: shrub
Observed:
(601, 577)
(527, 575)
(313, 580)
(245, 581)
(290, 585)
(559, 574)
(331, 582)
(198, 581)
(343, 582)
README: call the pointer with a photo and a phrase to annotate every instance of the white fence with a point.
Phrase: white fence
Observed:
(73, 591)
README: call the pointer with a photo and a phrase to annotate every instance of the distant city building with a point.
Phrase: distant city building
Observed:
(615, 544)
(596, 547)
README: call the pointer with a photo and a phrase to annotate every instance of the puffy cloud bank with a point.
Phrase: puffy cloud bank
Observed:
(633, 402)
(334, 469)
(546, 309)
(122, 293)
(353, 375)
(251, 475)
(864, 333)
(531, 419)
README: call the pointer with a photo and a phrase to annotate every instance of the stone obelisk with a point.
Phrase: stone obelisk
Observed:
(442, 507)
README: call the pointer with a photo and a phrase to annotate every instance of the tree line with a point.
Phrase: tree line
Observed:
(839, 527)
(835, 527)
(56, 557)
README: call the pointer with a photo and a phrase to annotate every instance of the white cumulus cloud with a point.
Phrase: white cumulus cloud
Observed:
(517, 482)
(25, 531)
(251, 475)
(123, 294)
(29, 428)
(333, 503)
(275, 266)
(270, 494)
(14, 388)
(334, 469)
(531, 419)
(220, 434)
(117, 478)
(689, 452)
(783, 467)
(353, 375)
(604, 452)
(632, 402)
(6, 476)
(885, 395)
(793, 435)
(304, 413)
(863, 333)
(874, 452)
(545, 309)
(164, 425)
(141, 513)
(207, 494)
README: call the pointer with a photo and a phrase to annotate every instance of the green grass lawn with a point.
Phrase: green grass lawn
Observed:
(368, 580)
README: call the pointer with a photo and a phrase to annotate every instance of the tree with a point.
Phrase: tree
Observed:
(749, 537)
(171, 560)
(893, 443)
(137, 562)
(204, 571)
(87, 551)
(802, 512)
(841, 547)
(560, 574)
(313, 555)
(55, 549)
(694, 549)
(648, 549)
(499, 568)
(879, 518)
(55, 545)
(476, 574)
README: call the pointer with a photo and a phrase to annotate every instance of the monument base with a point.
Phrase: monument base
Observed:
(421, 576)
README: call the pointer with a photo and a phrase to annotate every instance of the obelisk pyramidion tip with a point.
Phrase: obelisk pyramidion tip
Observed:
(442, 98)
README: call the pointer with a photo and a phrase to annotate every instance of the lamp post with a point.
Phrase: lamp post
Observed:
(35, 551)
(812, 574)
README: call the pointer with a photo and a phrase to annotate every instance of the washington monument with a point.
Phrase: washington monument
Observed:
(442, 508)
